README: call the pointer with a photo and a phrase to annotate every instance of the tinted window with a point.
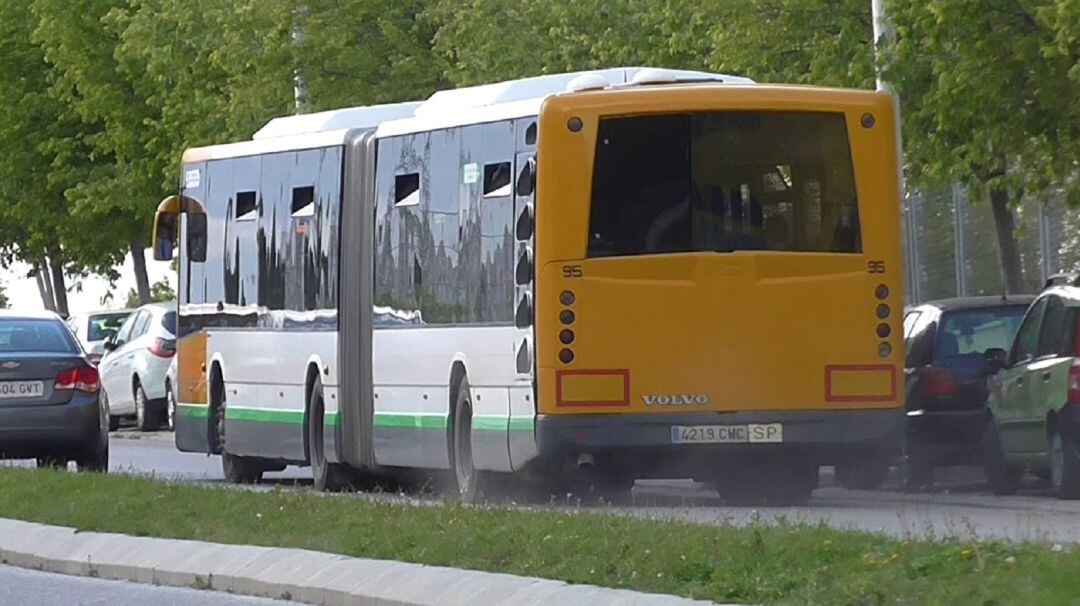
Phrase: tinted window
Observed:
(168, 321)
(444, 254)
(970, 332)
(1055, 331)
(723, 182)
(920, 339)
(98, 327)
(1027, 337)
(35, 336)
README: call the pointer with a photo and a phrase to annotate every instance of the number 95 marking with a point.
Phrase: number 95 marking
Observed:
(572, 271)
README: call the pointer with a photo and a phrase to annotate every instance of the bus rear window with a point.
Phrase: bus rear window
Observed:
(723, 182)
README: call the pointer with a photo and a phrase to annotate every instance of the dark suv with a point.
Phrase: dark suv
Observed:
(953, 346)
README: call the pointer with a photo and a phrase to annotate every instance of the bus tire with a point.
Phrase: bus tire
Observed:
(236, 469)
(1003, 478)
(327, 476)
(1064, 465)
(464, 484)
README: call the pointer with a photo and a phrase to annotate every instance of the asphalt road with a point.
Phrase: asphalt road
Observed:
(961, 507)
(33, 588)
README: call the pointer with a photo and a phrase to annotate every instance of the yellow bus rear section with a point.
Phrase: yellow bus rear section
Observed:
(708, 331)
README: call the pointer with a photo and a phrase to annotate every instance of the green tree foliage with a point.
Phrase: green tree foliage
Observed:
(362, 52)
(44, 150)
(159, 292)
(989, 91)
(821, 42)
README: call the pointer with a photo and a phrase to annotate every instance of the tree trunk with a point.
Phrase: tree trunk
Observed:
(138, 261)
(44, 285)
(1011, 268)
(59, 287)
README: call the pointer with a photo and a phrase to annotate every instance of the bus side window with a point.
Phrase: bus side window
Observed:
(407, 190)
(303, 201)
(497, 180)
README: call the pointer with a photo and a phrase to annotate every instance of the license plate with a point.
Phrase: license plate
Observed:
(751, 433)
(22, 389)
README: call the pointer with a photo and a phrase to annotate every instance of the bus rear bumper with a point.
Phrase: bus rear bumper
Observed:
(828, 437)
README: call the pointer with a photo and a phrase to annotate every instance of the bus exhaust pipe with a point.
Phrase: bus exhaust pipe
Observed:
(586, 461)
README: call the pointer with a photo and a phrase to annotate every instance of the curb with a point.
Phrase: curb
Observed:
(292, 574)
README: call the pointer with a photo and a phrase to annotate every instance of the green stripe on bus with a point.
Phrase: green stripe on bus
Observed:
(486, 423)
(409, 421)
(333, 419)
(521, 423)
(193, 411)
(263, 415)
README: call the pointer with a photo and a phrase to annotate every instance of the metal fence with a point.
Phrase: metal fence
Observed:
(951, 243)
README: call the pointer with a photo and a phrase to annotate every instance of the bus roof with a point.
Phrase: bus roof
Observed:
(444, 109)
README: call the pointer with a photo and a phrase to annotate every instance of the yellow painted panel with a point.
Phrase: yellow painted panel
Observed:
(853, 383)
(589, 387)
(192, 368)
(749, 330)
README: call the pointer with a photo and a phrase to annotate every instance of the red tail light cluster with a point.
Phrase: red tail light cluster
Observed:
(83, 378)
(938, 382)
(1074, 383)
(163, 348)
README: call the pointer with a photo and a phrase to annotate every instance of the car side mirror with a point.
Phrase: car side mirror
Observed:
(110, 343)
(996, 358)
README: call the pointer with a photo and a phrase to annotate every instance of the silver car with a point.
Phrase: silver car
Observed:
(135, 365)
(49, 406)
(93, 329)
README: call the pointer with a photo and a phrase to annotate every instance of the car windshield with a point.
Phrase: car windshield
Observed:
(100, 326)
(972, 332)
(30, 335)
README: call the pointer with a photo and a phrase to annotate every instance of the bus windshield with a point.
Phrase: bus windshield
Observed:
(723, 182)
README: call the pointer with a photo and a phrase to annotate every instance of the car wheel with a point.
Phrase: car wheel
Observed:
(145, 417)
(868, 475)
(1002, 477)
(114, 421)
(464, 473)
(1064, 466)
(170, 408)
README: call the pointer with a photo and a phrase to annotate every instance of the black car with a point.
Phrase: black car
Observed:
(953, 346)
(49, 407)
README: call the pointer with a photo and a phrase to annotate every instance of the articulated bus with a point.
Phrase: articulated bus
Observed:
(621, 274)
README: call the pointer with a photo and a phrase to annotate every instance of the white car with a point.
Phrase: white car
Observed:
(94, 328)
(135, 364)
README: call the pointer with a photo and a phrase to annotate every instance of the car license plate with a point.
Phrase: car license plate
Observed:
(21, 389)
(751, 433)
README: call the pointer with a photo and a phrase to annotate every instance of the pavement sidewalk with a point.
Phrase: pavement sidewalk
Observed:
(293, 574)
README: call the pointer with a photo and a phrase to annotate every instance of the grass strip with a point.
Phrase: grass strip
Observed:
(760, 564)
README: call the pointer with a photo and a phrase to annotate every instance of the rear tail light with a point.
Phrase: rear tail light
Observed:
(163, 348)
(938, 382)
(1074, 383)
(1076, 335)
(83, 378)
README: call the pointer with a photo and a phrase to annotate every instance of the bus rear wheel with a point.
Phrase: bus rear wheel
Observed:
(237, 470)
(327, 476)
(464, 482)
